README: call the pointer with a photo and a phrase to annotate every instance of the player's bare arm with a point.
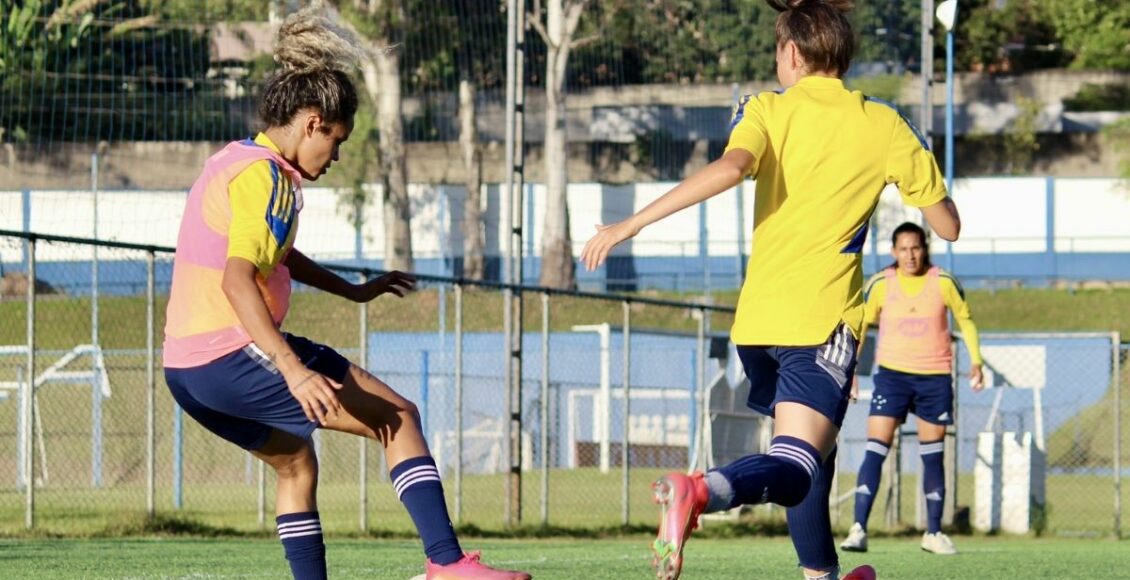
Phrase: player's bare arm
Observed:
(311, 273)
(312, 390)
(703, 185)
(943, 219)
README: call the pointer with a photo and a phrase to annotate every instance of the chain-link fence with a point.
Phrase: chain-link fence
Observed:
(104, 444)
(1036, 451)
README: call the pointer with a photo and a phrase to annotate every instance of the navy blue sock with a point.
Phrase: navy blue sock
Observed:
(782, 476)
(301, 536)
(810, 523)
(867, 484)
(933, 482)
(418, 485)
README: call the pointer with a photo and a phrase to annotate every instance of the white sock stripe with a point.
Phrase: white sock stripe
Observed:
(793, 457)
(299, 528)
(931, 448)
(809, 458)
(317, 532)
(404, 484)
(408, 478)
(798, 455)
(288, 525)
(799, 452)
(415, 470)
(400, 489)
(876, 447)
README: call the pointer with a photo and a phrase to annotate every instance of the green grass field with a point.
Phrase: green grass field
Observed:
(621, 558)
(219, 492)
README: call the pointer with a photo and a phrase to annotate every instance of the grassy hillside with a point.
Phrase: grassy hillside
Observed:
(64, 321)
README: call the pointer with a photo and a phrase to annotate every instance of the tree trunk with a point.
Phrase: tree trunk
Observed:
(394, 172)
(557, 267)
(381, 73)
(473, 267)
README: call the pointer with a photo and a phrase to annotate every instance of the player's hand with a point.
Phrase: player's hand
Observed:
(607, 236)
(316, 395)
(854, 396)
(976, 378)
(396, 282)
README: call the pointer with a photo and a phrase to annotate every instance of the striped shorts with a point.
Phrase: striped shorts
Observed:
(818, 377)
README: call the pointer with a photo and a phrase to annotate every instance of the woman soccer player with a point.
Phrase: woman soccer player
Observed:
(909, 300)
(821, 155)
(227, 363)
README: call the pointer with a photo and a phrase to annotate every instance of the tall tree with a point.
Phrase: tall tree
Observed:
(557, 25)
(996, 37)
(479, 29)
(380, 24)
(59, 57)
(888, 32)
(705, 41)
(1096, 33)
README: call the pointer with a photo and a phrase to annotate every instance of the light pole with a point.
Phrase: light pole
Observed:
(947, 16)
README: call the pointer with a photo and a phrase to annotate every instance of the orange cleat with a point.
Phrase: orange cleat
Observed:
(682, 499)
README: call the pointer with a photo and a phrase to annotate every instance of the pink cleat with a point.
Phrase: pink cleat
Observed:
(682, 499)
(861, 573)
(468, 567)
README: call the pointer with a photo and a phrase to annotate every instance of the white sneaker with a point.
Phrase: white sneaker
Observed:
(938, 543)
(857, 539)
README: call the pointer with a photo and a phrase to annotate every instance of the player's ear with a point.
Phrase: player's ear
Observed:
(793, 55)
(311, 122)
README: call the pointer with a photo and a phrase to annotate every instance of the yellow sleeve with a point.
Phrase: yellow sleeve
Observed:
(912, 167)
(874, 295)
(262, 211)
(748, 130)
(954, 297)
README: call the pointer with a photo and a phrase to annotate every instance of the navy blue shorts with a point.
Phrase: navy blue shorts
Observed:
(242, 396)
(818, 377)
(930, 397)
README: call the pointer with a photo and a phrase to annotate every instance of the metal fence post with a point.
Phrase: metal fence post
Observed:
(544, 408)
(1116, 339)
(150, 384)
(458, 403)
(702, 445)
(178, 457)
(29, 398)
(363, 446)
(625, 446)
(262, 508)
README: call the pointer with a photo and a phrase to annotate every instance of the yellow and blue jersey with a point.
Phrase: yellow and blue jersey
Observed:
(245, 204)
(264, 212)
(822, 156)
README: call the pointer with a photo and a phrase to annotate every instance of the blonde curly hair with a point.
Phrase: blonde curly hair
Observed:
(316, 59)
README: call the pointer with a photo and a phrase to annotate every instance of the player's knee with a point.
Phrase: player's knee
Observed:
(297, 466)
(410, 412)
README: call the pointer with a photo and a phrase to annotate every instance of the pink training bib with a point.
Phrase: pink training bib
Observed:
(201, 324)
(914, 334)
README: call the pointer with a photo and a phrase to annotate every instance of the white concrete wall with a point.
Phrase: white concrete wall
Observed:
(1001, 215)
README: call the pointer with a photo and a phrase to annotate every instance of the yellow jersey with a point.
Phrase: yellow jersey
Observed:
(822, 156)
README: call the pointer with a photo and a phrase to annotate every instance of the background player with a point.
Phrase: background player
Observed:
(909, 299)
